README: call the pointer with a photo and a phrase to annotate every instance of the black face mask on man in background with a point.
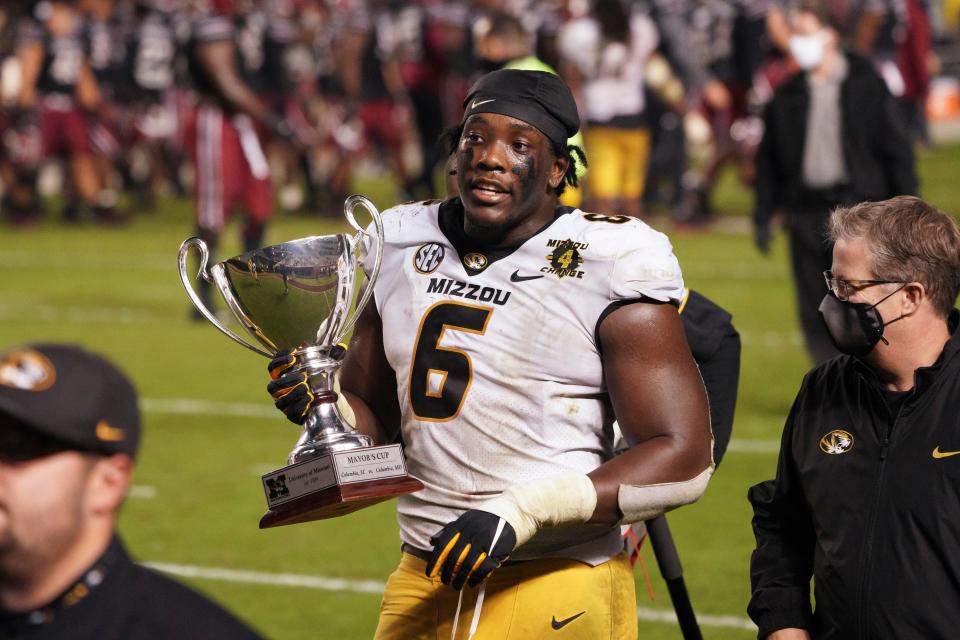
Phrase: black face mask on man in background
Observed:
(854, 327)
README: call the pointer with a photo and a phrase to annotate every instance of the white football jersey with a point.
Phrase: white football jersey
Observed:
(499, 377)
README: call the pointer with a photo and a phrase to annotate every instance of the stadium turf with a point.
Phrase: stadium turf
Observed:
(210, 429)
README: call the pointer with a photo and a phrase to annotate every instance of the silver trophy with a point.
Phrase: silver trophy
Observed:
(302, 295)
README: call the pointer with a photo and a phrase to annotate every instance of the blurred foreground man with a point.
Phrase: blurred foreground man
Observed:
(69, 429)
(508, 334)
(867, 494)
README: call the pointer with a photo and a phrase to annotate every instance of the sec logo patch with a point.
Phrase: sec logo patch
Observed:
(428, 257)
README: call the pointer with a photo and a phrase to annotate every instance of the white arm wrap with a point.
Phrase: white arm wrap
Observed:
(548, 502)
(647, 501)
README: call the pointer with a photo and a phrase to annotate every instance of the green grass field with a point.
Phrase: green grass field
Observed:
(211, 430)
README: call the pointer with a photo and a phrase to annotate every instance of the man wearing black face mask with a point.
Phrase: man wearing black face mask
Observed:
(866, 496)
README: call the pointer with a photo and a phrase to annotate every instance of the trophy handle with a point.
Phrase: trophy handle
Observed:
(202, 272)
(348, 207)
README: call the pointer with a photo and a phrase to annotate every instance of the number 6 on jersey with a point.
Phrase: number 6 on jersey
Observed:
(440, 376)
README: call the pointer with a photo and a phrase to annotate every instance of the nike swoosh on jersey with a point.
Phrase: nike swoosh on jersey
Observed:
(476, 104)
(943, 454)
(562, 623)
(516, 277)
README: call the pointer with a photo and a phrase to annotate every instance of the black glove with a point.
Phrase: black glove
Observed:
(461, 550)
(290, 389)
(762, 236)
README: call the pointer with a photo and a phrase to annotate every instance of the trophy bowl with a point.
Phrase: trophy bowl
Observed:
(302, 296)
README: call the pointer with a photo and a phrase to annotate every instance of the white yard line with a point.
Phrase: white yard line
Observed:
(376, 588)
(208, 408)
(37, 312)
(732, 622)
(142, 491)
(273, 579)
(742, 445)
(22, 260)
(264, 410)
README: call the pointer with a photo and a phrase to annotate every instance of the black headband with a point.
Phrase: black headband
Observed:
(538, 98)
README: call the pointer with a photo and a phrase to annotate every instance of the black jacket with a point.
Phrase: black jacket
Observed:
(117, 599)
(872, 513)
(876, 147)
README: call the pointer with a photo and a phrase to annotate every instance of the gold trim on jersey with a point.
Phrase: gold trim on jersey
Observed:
(684, 299)
(437, 347)
(443, 380)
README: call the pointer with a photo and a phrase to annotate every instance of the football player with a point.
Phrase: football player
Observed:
(507, 334)
(59, 90)
(222, 133)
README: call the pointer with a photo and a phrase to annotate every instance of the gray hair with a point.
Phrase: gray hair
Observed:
(909, 240)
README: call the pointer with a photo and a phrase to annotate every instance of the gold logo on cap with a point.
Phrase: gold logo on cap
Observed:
(109, 433)
(836, 442)
(27, 370)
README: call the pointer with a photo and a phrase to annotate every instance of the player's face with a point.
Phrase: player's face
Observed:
(42, 503)
(506, 173)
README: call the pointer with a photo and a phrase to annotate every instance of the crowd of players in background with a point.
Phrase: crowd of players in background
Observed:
(121, 94)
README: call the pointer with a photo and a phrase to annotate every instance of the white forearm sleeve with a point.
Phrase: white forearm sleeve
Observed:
(542, 503)
(644, 502)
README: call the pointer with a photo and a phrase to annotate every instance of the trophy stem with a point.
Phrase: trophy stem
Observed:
(325, 430)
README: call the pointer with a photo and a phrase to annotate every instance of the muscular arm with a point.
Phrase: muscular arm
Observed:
(30, 56)
(353, 44)
(368, 382)
(217, 58)
(88, 91)
(659, 400)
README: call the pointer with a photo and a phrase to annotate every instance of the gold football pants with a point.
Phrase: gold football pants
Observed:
(618, 162)
(548, 598)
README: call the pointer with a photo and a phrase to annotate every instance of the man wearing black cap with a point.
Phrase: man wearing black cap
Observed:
(508, 334)
(69, 429)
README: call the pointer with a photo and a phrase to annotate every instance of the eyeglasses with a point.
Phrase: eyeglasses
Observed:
(843, 289)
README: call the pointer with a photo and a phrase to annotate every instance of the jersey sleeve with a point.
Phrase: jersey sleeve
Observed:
(29, 31)
(646, 267)
(212, 28)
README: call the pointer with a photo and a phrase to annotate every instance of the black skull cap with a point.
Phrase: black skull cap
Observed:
(538, 98)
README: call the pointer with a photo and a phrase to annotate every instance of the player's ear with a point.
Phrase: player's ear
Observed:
(558, 169)
(108, 483)
(914, 294)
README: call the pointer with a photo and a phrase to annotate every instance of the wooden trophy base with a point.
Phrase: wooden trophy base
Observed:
(335, 484)
(338, 500)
